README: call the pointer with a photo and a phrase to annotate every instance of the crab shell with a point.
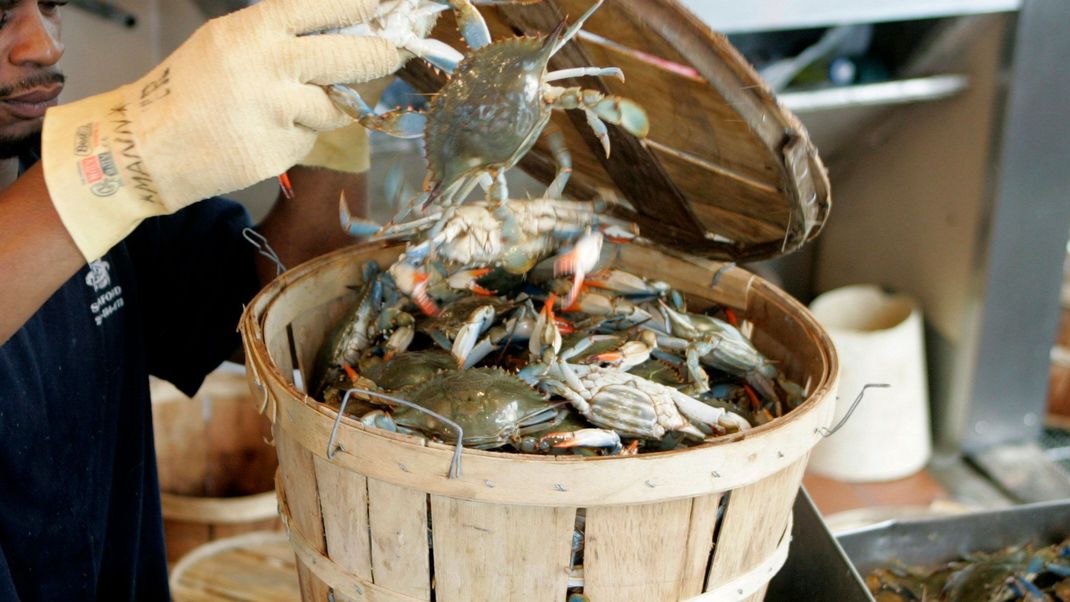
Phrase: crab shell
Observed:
(490, 112)
(410, 369)
(491, 405)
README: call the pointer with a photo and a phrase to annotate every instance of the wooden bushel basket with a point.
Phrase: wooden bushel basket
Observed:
(359, 517)
(215, 467)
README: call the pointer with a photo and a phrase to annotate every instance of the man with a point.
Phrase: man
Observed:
(101, 286)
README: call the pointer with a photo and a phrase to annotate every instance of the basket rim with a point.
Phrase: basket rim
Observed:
(816, 411)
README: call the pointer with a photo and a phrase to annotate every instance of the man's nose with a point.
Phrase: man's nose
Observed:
(36, 41)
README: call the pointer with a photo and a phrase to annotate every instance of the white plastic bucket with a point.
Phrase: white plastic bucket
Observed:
(879, 339)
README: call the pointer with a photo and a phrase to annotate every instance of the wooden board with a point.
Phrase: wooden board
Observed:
(753, 525)
(399, 539)
(625, 545)
(298, 478)
(344, 504)
(495, 552)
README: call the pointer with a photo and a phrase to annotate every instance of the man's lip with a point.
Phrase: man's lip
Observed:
(37, 95)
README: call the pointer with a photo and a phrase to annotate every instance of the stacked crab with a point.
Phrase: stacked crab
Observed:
(498, 324)
(508, 362)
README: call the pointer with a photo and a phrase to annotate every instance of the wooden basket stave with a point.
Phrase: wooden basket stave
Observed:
(364, 511)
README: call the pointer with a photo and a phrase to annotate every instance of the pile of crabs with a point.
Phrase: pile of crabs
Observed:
(503, 323)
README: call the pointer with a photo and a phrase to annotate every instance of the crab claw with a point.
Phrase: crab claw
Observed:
(355, 226)
(545, 341)
(414, 283)
(477, 323)
(619, 235)
(590, 437)
(466, 280)
(421, 298)
(578, 262)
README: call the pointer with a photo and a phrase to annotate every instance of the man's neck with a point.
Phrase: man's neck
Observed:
(9, 172)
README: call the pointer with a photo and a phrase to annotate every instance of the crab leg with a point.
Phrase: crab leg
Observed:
(401, 123)
(439, 54)
(600, 107)
(584, 72)
(470, 22)
(574, 28)
(579, 262)
(556, 140)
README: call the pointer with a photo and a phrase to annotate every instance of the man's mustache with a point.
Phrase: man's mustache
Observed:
(41, 78)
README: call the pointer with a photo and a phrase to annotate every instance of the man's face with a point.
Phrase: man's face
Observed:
(30, 82)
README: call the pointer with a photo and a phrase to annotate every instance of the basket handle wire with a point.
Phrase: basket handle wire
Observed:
(455, 463)
(828, 432)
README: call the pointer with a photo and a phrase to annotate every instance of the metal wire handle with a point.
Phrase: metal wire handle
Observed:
(264, 248)
(826, 433)
(455, 463)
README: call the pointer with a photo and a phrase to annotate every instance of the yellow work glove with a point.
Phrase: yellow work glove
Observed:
(347, 149)
(238, 102)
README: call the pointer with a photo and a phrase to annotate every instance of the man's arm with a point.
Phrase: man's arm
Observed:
(37, 254)
(308, 225)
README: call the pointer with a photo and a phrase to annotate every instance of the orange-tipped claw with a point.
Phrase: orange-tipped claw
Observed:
(350, 372)
(548, 307)
(574, 292)
(286, 186)
(609, 356)
(421, 298)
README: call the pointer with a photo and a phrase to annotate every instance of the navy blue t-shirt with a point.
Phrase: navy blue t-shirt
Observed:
(79, 499)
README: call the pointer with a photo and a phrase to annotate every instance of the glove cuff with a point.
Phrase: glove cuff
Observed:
(99, 183)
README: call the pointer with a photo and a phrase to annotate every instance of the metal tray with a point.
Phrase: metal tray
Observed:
(817, 568)
(932, 540)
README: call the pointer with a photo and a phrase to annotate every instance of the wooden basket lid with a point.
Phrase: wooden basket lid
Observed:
(726, 172)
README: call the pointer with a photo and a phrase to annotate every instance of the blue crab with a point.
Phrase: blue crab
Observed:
(494, 107)
(351, 336)
(628, 404)
(718, 344)
(493, 407)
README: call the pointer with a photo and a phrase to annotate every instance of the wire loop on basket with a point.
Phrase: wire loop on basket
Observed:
(827, 432)
(455, 464)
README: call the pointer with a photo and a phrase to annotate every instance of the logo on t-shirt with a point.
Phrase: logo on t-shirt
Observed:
(111, 299)
(98, 275)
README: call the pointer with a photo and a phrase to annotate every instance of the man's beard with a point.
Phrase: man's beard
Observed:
(16, 145)
(19, 146)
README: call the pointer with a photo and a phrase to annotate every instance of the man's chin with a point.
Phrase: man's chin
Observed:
(15, 145)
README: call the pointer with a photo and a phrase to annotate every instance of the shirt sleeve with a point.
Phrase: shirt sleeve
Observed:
(195, 272)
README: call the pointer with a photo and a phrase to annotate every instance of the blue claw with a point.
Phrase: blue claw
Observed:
(355, 226)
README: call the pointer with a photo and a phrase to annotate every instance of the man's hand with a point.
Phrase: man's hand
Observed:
(239, 102)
